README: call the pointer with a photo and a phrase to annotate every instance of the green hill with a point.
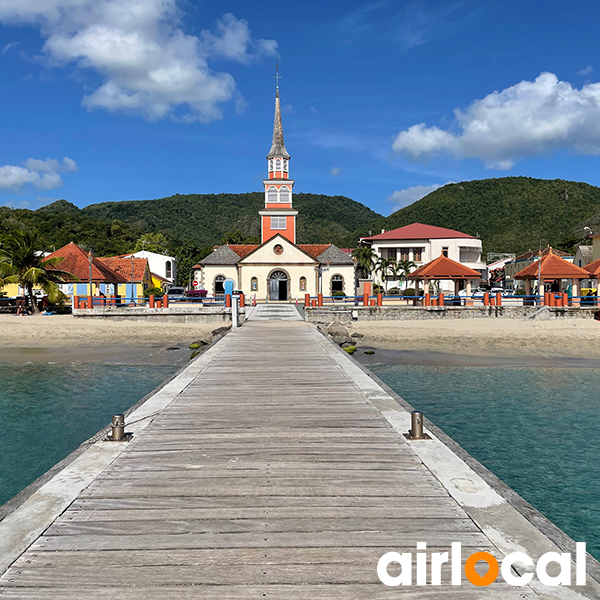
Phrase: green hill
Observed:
(205, 218)
(510, 214)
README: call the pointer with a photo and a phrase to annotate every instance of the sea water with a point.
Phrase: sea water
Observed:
(537, 429)
(47, 410)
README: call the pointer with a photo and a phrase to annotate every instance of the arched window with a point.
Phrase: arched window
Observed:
(168, 270)
(285, 165)
(284, 194)
(337, 284)
(272, 194)
(270, 166)
(278, 164)
(218, 285)
(254, 284)
(302, 284)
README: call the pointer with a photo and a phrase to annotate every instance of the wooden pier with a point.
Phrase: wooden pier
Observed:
(271, 475)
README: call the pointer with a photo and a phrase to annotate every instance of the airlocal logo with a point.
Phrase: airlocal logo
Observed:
(506, 568)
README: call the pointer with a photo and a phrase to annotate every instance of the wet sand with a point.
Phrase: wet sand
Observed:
(494, 338)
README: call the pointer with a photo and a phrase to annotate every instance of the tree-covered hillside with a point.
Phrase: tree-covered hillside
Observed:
(62, 222)
(510, 214)
(205, 218)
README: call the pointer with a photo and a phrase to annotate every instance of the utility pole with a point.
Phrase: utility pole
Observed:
(90, 259)
(132, 296)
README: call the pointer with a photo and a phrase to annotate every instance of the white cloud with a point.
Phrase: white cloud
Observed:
(530, 118)
(9, 47)
(335, 171)
(586, 71)
(148, 64)
(233, 41)
(42, 174)
(402, 198)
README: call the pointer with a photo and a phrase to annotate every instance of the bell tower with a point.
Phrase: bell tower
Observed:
(278, 215)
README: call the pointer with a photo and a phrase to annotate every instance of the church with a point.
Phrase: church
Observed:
(278, 269)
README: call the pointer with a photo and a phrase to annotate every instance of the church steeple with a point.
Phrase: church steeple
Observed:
(278, 147)
(278, 216)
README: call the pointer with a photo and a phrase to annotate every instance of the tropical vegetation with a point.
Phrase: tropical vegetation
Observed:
(22, 262)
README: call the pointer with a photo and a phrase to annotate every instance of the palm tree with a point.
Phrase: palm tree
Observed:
(366, 259)
(22, 263)
(382, 266)
(404, 268)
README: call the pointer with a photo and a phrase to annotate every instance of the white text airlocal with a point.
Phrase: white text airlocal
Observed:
(505, 569)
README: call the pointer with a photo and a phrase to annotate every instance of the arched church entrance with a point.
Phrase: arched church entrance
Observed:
(278, 286)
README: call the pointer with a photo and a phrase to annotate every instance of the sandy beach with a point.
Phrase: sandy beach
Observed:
(65, 330)
(572, 338)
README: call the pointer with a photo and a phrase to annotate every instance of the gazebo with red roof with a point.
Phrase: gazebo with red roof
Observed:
(444, 268)
(553, 267)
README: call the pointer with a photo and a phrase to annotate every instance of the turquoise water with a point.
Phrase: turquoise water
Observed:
(47, 410)
(537, 429)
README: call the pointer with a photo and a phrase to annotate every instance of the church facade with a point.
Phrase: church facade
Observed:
(278, 269)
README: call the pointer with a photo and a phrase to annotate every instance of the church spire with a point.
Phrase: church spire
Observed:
(278, 148)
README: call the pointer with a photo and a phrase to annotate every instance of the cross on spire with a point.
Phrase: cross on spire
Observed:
(277, 75)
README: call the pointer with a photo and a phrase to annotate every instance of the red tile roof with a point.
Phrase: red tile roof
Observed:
(593, 269)
(314, 250)
(419, 231)
(122, 266)
(243, 249)
(444, 268)
(552, 267)
(76, 261)
(535, 253)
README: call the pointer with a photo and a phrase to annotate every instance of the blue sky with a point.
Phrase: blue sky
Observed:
(382, 101)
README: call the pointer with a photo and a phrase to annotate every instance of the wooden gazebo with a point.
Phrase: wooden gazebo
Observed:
(444, 268)
(553, 267)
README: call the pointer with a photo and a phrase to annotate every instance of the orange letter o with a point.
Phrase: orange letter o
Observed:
(472, 574)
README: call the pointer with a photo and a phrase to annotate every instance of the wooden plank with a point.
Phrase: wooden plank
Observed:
(266, 524)
(413, 510)
(254, 540)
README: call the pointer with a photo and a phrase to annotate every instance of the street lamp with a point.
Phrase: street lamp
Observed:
(132, 296)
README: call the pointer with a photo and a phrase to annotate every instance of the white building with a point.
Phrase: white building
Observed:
(278, 269)
(163, 266)
(423, 243)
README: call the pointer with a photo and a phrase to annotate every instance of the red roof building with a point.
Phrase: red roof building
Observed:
(419, 231)
(77, 261)
(444, 268)
(593, 269)
(552, 266)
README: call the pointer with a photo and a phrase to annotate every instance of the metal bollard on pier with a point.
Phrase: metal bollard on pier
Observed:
(118, 428)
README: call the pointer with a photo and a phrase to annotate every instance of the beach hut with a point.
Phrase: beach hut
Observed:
(554, 268)
(444, 268)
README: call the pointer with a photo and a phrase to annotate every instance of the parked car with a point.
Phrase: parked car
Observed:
(176, 293)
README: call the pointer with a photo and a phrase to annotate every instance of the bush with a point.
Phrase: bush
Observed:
(153, 291)
(196, 293)
(338, 294)
(519, 292)
(394, 291)
(409, 292)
